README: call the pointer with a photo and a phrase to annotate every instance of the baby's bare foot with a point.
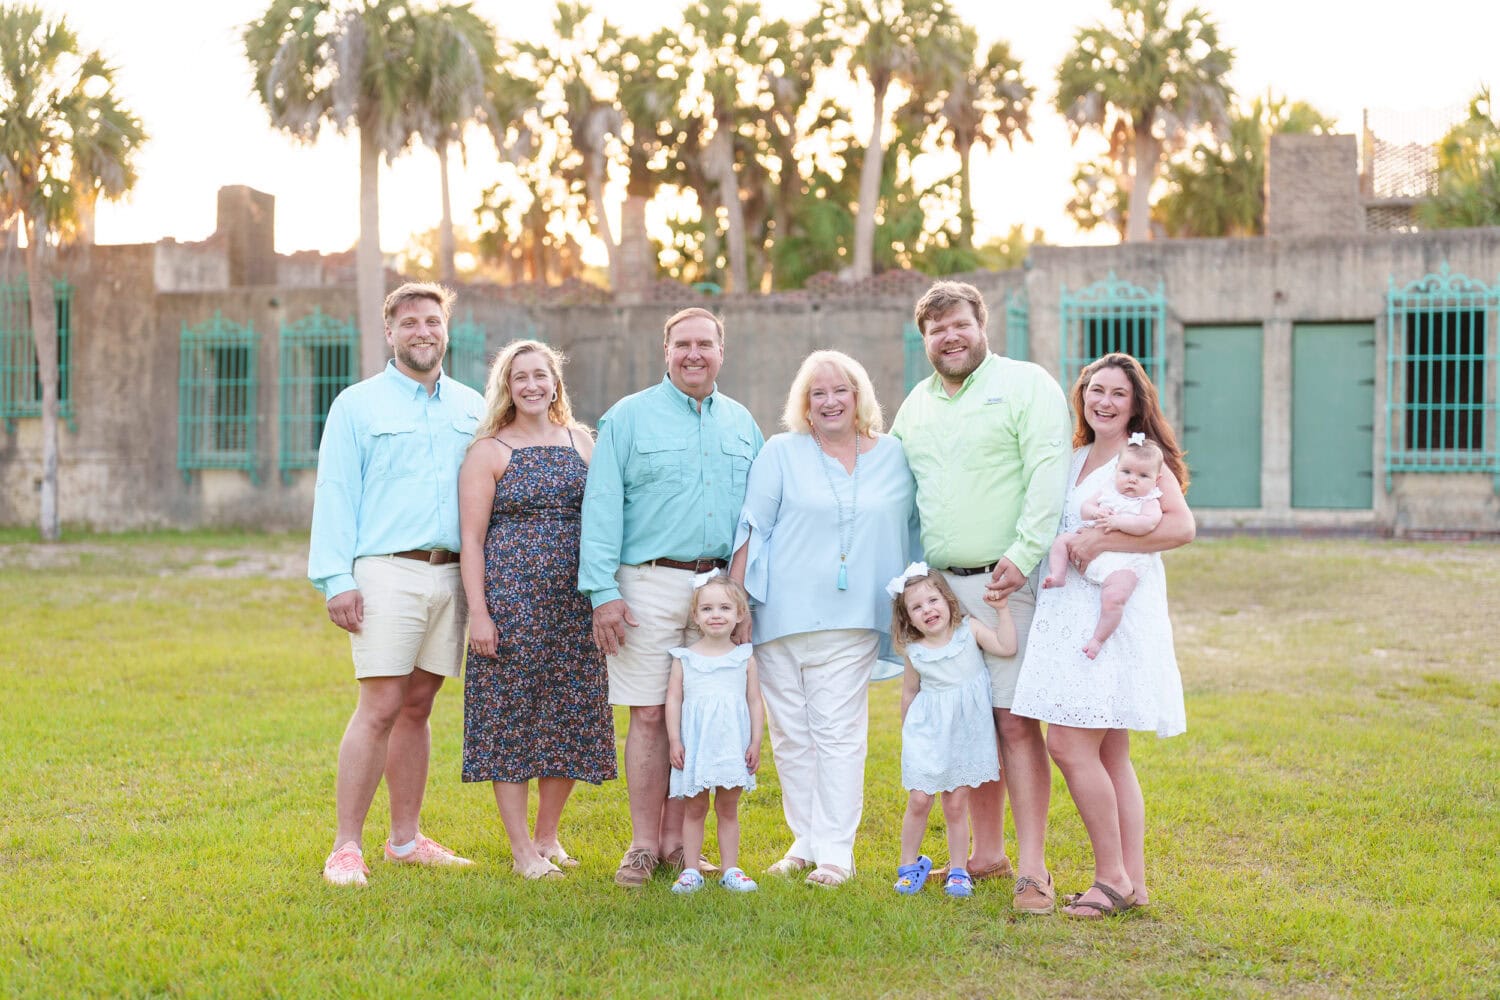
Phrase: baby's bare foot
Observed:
(1092, 649)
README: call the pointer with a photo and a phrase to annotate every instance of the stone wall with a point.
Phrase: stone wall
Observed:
(1312, 186)
(118, 469)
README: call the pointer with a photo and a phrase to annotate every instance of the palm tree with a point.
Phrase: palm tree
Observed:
(787, 76)
(320, 62)
(725, 47)
(577, 78)
(650, 81)
(986, 103)
(1468, 170)
(64, 141)
(459, 83)
(1219, 190)
(1145, 82)
(887, 42)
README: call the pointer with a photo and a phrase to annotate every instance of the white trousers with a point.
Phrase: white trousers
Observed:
(814, 685)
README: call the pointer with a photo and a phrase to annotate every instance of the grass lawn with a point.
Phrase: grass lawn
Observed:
(170, 708)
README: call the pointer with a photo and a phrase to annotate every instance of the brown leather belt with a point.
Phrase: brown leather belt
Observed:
(433, 557)
(972, 570)
(698, 566)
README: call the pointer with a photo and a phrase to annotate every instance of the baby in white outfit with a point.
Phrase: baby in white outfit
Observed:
(1131, 505)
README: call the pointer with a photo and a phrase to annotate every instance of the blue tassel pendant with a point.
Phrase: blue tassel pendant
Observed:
(843, 576)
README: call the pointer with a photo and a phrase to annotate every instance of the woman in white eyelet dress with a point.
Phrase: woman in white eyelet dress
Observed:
(1091, 705)
(1134, 683)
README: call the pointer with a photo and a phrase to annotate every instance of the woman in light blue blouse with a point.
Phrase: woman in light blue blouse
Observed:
(830, 516)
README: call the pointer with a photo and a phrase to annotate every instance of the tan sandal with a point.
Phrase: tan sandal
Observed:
(832, 876)
(561, 858)
(789, 866)
(549, 872)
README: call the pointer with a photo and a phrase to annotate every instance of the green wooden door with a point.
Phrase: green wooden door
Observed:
(1333, 415)
(1221, 414)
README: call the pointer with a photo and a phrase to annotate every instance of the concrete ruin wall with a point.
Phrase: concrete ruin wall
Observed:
(118, 469)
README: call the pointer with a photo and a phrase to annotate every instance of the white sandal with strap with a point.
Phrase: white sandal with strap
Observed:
(832, 876)
(789, 866)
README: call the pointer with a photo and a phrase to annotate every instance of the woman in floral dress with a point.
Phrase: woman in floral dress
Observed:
(535, 691)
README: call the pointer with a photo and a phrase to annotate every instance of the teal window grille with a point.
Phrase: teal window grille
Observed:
(1018, 325)
(216, 391)
(20, 380)
(916, 366)
(1441, 376)
(318, 358)
(466, 353)
(1109, 316)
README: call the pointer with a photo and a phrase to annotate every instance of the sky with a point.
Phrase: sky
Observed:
(182, 70)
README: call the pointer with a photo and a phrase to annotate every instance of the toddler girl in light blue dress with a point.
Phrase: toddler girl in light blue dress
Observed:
(714, 720)
(947, 729)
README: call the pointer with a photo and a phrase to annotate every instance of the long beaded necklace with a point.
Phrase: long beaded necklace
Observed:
(846, 528)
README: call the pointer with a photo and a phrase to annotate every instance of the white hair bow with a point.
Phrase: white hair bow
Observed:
(701, 579)
(1137, 438)
(911, 572)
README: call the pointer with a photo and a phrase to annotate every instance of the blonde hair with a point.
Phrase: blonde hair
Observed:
(412, 291)
(736, 592)
(691, 312)
(500, 408)
(867, 416)
(903, 629)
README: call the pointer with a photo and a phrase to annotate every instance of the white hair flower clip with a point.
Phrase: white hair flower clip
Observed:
(1137, 438)
(911, 572)
(702, 579)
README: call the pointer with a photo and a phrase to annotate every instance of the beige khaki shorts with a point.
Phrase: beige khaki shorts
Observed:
(661, 600)
(1004, 670)
(415, 616)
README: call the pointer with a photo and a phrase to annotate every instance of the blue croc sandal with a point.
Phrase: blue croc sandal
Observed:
(959, 883)
(910, 878)
(688, 882)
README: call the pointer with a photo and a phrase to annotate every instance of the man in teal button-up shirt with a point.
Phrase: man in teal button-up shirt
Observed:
(988, 440)
(664, 494)
(384, 555)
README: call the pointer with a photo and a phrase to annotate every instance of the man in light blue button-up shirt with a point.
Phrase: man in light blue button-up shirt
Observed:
(384, 553)
(664, 493)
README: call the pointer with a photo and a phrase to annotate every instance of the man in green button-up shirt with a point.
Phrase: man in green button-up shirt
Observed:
(988, 440)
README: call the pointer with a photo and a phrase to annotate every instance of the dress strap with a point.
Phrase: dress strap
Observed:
(502, 441)
(570, 440)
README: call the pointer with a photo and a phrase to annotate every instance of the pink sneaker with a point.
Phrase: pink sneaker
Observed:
(346, 866)
(427, 852)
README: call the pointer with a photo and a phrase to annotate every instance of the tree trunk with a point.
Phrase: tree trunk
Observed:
(44, 335)
(1145, 153)
(447, 271)
(369, 269)
(965, 144)
(708, 206)
(869, 193)
(720, 156)
(595, 183)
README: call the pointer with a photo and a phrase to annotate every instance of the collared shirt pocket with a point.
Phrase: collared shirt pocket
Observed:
(394, 450)
(739, 452)
(463, 428)
(655, 465)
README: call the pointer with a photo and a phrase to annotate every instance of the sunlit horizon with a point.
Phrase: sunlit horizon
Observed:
(208, 130)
